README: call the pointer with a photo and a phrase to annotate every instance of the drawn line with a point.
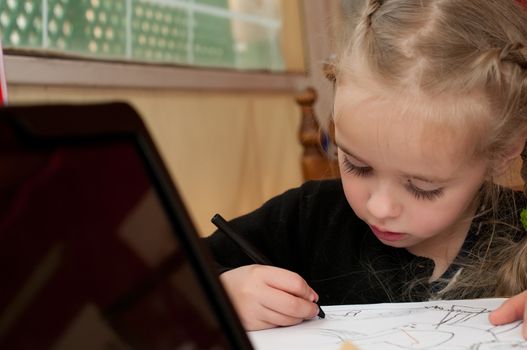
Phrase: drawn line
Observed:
(409, 336)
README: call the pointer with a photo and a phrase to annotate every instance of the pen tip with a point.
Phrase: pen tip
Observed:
(321, 312)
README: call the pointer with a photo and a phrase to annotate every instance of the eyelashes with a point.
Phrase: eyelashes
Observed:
(356, 170)
(363, 171)
(422, 194)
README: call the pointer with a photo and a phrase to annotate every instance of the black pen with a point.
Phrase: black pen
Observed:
(247, 247)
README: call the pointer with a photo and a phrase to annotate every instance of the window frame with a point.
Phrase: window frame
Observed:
(30, 68)
(47, 70)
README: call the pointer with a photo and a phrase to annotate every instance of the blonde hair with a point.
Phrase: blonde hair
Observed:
(458, 48)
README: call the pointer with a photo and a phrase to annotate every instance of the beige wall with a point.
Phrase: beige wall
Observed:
(227, 152)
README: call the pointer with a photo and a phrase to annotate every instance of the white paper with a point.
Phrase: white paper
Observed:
(452, 324)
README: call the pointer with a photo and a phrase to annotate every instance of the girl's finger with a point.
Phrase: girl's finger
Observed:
(291, 283)
(279, 319)
(511, 310)
(288, 304)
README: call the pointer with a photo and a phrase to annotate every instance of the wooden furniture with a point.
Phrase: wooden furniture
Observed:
(316, 162)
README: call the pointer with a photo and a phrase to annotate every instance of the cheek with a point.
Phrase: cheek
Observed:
(356, 192)
(427, 220)
(433, 217)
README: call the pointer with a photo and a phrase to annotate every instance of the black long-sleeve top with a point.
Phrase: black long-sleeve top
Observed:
(313, 231)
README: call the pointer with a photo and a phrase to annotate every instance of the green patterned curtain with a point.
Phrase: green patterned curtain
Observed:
(189, 32)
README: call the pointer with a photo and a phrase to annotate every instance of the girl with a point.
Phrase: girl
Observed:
(430, 106)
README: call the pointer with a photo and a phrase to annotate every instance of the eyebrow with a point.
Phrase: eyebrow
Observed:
(432, 180)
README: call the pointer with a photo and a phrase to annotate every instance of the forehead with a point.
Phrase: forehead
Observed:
(438, 133)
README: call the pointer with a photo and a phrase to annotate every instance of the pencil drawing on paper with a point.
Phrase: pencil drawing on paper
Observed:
(430, 325)
(440, 329)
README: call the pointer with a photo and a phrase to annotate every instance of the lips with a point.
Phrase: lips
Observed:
(386, 235)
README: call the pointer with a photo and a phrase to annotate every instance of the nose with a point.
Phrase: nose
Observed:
(383, 204)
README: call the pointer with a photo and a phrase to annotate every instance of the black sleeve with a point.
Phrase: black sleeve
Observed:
(284, 229)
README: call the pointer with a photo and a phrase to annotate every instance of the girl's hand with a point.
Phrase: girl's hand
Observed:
(514, 308)
(267, 296)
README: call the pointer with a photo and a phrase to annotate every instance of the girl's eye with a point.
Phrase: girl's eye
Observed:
(422, 194)
(418, 193)
(356, 170)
